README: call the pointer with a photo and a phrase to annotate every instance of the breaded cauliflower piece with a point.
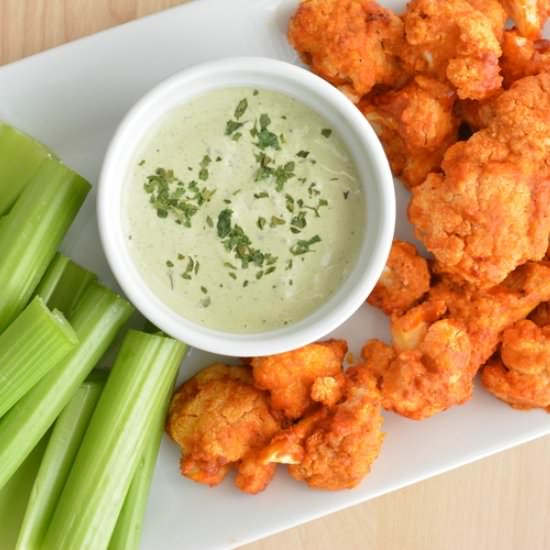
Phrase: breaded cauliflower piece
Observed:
(453, 41)
(486, 314)
(528, 15)
(522, 376)
(490, 209)
(351, 43)
(289, 376)
(334, 449)
(218, 418)
(404, 281)
(439, 345)
(420, 382)
(523, 57)
(416, 125)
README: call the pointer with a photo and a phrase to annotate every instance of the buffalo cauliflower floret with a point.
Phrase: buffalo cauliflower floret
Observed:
(490, 209)
(218, 418)
(521, 377)
(416, 125)
(404, 281)
(289, 376)
(334, 449)
(427, 379)
(350, 43)
(453, 41)
(486, 314)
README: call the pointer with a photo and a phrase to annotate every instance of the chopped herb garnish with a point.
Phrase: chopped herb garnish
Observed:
(227, 201)
(255, 92)
(204, 290)
(245, 283)
(169, 195)
(218, 158)
(266, 138)
(261, 195)
(302, 154)
(288, 265)
(229, 265)
(236, 192)
(197, 267)
(236, 136)
(205, 302)
(241, 108)
(232, 275)
(261, 222)
(209, 221)
(275, 220)
(289, 203)
(283, 174)
(141, 162)
(181, 256)
(312, 189)
(203, 174)
(259, 275)
(303, 247)
(169, 263)
(346, 195)
(232, 126)
(298, 222)
(270, 270)
(326, 132)
(333, 179)
(224, 223)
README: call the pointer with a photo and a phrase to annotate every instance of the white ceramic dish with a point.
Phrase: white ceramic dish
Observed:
(361, 141)
(73, 98)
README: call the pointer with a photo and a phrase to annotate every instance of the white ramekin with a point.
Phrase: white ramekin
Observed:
(343, 116)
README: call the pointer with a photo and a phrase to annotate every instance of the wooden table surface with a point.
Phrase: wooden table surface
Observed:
(501, 503)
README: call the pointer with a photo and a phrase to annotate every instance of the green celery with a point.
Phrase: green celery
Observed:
(140, 383)
(20, 157)
(31, 232)
(62, 447)
(127, 532)
(98, 317)
(15, 495)
(30, 347)
(64, 283)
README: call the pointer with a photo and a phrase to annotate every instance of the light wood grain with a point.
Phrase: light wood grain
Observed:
(499, 503)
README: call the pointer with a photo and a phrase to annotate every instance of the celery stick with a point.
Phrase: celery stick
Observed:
(62, 447)
(15, 495)
(63, 284)
(127, 532)
(98, 317)
(20, 157)
(139, 384)
(32, 231)
(30, 347)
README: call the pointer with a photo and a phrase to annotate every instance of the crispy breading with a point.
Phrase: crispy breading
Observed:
(404, 281)
(289, 376)
(416, 125)
(490, 209)
(430, 378)
(523, 57)
(494, 11)
(521, 377)
(453, 41)
(528, 15)
(486, 314)
(334, 449)
(350, 43)
(217, 418)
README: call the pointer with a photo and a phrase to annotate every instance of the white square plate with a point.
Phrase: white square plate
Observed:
(72, 99)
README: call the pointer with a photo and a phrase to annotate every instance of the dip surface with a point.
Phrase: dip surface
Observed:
(243, 210)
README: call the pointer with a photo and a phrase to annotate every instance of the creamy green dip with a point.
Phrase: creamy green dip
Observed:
(243, 210)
